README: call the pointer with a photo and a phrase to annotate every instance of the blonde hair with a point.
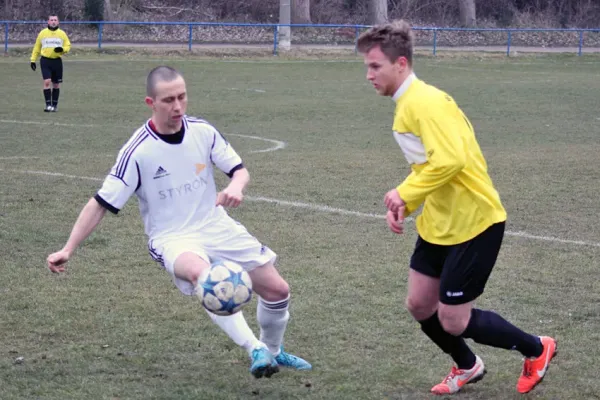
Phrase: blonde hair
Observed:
(395, 39)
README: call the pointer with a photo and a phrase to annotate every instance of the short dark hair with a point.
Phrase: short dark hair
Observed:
(161, 73)
(395, 40)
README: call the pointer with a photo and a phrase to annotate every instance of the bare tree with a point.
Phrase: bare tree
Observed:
(467, 13)
(285, 32)
(108, 14)
(301, 12)
(8, 6)
(378, 11)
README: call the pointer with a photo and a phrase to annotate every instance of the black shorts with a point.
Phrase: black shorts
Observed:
(463, 268)
(52, 68)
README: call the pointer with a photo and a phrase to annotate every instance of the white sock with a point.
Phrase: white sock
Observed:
(236, 327)
(273, 319)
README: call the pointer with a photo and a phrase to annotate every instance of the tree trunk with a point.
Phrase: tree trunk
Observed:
(378, 11)
(285, 32)
(8, 10)
(108, 15)
(467, 13)
(301, 12)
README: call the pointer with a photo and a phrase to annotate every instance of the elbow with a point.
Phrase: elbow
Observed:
(245, 174)
(457, 165)
(241, 176)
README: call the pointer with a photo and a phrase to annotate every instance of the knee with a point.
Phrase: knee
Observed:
(453, 321)
(420, 308)
(193, 275)
(56, 86)
(47, 83)
(279, 290)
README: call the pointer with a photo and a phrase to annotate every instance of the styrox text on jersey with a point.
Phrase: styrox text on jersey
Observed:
(183, 189)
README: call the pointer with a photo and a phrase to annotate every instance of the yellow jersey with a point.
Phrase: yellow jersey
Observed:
(449, 173)
(47, 40)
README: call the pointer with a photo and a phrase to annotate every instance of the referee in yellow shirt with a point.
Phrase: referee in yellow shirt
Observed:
(461, 226)
(52, 42)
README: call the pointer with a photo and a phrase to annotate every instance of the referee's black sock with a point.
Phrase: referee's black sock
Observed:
(455, 346)
(55, 94)
(47, 96)
(489, 328)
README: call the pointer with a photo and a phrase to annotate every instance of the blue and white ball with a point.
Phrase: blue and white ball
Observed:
(225, 288)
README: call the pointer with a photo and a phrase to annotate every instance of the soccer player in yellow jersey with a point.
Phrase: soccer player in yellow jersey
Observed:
(462, 222)
(52, 42)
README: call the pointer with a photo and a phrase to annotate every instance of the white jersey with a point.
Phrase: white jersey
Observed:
(174, 183)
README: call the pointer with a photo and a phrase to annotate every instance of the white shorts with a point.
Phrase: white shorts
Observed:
(224, 238)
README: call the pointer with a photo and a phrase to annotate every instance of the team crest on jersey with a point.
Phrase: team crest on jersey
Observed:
(161, 173)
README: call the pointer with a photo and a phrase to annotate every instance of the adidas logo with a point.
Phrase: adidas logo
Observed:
(160, 172)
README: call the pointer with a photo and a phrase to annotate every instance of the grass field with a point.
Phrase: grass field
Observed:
(114, 326)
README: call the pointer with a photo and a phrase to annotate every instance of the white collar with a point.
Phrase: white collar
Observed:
(409, 79)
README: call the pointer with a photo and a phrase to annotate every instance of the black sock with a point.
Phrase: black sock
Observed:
(487, 327)
(55, 94)
(47, 96)
(453, 345)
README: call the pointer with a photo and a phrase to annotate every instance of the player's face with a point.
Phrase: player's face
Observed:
(385, 76)
(53, 21)
(170, 104)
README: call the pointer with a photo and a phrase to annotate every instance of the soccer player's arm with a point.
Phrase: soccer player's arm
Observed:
(439, 128)
(411, 207)
(121, 183)
(66, 43)
(89, 218)
(227, 159)
(118, 186)
(37, 48)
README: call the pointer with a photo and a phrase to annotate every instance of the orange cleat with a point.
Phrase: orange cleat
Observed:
(535, 369)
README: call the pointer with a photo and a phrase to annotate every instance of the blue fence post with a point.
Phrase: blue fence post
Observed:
(356, 34)
(275, 31)
(508, 44)
(100, 27)
(6, 37)
(190, 37)
(434, 40)
(580, 42)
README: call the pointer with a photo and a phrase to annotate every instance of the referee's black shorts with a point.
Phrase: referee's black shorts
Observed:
(463, 269)
(52, 68)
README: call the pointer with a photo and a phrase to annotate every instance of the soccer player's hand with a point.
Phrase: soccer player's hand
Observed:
(395, 222)
(58, 49)
(57, 261)
(392, 201)
(33, 66)
(229, 197)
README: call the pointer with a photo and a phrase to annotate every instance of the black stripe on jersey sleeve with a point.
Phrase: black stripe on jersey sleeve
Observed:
(237, 167)
(106, 204)
(139, 176)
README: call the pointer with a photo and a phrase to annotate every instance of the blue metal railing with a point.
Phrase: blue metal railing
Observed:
(275, 27)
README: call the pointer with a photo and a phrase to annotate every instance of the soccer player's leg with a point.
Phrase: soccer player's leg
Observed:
(422, 302)
(231, 241)
(273, 314)
(454, 318)
(465, 275)
(185, 260)
(57, 77)
(47, 77)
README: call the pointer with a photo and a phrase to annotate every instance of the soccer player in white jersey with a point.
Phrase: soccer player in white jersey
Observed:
(168, 165)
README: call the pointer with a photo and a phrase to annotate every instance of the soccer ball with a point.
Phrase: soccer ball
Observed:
(225, 288)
